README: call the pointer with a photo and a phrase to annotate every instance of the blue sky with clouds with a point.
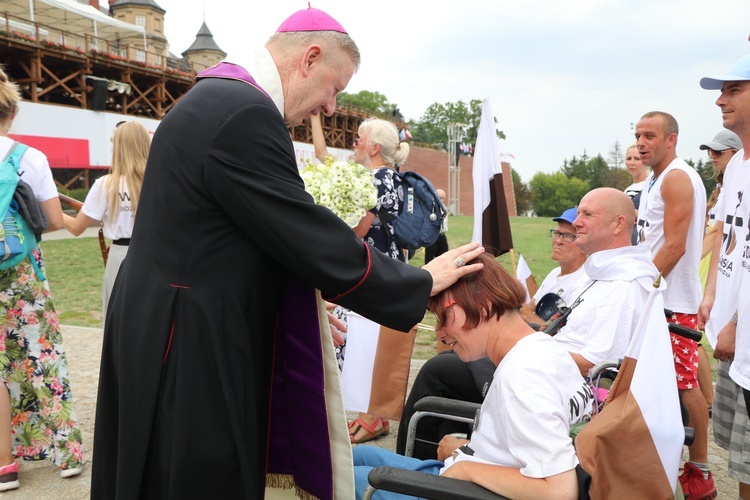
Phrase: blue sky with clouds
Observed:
(563, 76)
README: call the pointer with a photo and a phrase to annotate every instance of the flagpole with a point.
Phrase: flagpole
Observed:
(513, 261)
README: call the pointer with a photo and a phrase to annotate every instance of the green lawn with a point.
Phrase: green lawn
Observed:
(75, 271)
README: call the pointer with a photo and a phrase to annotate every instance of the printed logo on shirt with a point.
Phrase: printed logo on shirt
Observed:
(581, 407)
(733, 223)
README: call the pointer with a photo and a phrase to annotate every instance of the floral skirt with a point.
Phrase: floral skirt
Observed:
(34, 369)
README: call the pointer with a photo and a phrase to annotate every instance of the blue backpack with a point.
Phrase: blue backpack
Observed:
(421, 216)
(17, 240)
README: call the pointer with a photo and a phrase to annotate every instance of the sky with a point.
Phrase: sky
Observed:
(562, 76)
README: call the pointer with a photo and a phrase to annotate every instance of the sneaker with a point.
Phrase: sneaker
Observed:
(9, 477)
(694, 485)
(71, 472)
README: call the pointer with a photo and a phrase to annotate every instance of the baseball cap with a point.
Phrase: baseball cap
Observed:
(740, 72)
(725, 139)
(568, 216)
(310, 20)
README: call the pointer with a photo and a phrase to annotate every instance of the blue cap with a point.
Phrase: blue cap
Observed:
(740, 72)
(568, 216)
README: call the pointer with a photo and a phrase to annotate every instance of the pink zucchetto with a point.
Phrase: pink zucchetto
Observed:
(310, 20)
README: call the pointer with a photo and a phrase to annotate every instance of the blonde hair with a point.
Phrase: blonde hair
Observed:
(10, 94)
(711, 203)
(385, 134)
(131, 145)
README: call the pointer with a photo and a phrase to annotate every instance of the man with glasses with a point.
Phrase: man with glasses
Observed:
(570, 275)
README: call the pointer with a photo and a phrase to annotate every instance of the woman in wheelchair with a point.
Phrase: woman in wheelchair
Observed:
(521, 446)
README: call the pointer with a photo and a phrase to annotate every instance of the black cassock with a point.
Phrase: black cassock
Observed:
(223, 223)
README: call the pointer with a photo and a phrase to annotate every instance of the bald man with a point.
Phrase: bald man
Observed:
(620, 279)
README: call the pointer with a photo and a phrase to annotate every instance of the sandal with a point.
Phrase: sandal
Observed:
(371, 431)
(352, 424)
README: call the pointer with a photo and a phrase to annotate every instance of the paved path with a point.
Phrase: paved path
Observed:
(41, 480)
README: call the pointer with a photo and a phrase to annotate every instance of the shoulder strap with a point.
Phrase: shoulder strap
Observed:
(11, 150)
(16, 151)
(9, 174)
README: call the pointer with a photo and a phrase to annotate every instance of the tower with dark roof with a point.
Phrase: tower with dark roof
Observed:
(204, 52)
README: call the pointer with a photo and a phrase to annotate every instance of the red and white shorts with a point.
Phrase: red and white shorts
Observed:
(685, 352)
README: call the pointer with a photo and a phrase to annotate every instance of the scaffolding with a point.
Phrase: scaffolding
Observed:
(456, 135)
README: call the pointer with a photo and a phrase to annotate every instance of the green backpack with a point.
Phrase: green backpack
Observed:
(17, 240)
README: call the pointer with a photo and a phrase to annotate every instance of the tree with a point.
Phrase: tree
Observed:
(554, 193)
(596, 172)
(521, 192)
(619, 177)
(576, 167)
(371, 101)
(432, 128)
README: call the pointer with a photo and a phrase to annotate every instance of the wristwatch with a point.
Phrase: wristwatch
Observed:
(734, 319)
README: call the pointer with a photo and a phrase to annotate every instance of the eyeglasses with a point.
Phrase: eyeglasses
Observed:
(567, 237)
(440, 319)
(712, 153)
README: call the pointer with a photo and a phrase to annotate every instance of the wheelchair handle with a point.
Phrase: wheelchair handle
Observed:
(684, 331)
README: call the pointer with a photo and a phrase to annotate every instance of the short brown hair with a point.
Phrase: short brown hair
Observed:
(670, 124)
(491, 291)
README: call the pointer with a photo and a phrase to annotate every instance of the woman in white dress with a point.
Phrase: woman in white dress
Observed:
(113, 199)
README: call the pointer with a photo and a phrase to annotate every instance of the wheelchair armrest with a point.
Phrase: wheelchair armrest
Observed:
(447, 406)
(430, 486)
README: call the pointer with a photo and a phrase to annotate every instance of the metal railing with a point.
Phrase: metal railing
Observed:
(13, 27)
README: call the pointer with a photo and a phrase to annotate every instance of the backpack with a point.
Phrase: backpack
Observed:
(421, 216)
(17, 239)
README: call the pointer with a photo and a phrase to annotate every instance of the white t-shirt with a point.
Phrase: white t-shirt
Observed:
(34, 170)
(684, 290)
(567, 287)
(737, 247)
(601, 326)
(734, 215)
(536, 395)
(96, 206)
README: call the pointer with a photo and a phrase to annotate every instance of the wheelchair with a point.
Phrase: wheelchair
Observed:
(435, 487)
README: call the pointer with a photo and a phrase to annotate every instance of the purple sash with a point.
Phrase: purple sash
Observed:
(230, 71)
(299, 442)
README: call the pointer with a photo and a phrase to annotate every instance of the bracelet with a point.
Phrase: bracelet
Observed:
(735, 319)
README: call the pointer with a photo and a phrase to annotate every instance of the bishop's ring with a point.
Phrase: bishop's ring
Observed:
(459, 261)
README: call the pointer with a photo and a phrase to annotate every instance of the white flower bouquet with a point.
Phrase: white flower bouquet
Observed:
(345, 188)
